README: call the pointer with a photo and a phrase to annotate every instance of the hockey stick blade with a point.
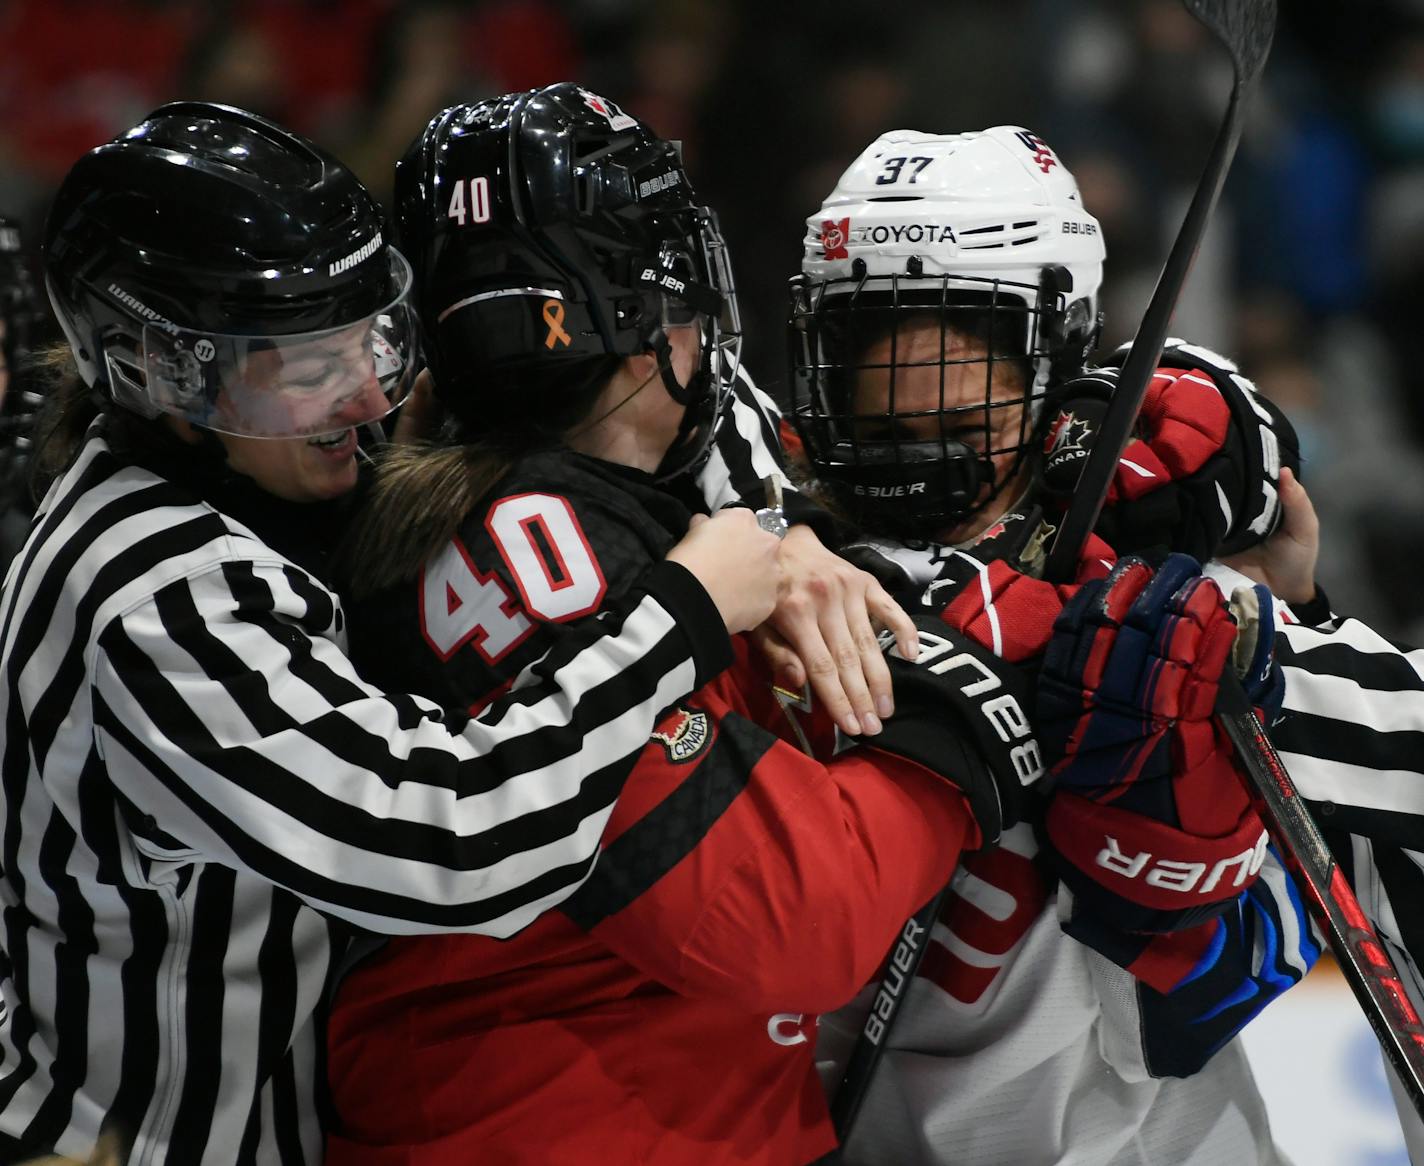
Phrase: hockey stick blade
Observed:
(1244, 27)
(1362, 957)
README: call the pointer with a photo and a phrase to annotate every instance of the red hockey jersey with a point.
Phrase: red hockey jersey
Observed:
(666, 1014)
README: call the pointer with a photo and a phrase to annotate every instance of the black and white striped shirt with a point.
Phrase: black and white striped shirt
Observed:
(199, 794)
(1352, 738)
(747, 448)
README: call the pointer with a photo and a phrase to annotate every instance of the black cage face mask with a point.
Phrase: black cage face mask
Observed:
(916, 398)
(708, 301)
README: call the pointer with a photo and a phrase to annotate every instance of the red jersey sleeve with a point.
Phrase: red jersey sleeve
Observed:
(737, 867)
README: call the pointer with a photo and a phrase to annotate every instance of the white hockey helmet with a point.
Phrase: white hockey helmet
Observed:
(987, 232)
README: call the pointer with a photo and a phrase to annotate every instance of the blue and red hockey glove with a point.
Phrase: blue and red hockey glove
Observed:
(1150, 821)
(1203, 472)
(1197, 988)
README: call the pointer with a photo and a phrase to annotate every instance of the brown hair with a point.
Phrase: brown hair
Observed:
(106, 1153)
(69, 407)
(422, 492)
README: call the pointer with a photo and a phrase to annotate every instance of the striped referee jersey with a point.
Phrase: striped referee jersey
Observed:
(1352, 737)
(747, 448)
(199, 797)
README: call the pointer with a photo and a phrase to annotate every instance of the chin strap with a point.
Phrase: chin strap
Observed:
(661, 348)
(698, 391)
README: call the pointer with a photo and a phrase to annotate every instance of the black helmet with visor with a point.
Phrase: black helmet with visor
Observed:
(211, 265)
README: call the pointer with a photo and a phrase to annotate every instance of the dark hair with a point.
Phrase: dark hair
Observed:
(532, 404)
(70, 407)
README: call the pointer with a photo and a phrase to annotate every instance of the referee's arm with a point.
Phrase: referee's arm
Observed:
(241, 739)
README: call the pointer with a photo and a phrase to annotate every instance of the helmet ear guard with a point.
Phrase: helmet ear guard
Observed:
(1071, 326)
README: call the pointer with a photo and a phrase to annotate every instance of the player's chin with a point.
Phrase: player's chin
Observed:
(969, 529)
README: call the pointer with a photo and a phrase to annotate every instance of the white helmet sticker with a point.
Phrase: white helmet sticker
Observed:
(617, 119)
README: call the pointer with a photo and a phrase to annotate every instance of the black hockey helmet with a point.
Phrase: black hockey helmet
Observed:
(549, 227)
(19, 306)
(209, 264)
(19, 314)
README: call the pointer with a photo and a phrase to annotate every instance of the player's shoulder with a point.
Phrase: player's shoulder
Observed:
(556, 517)
(585, 483)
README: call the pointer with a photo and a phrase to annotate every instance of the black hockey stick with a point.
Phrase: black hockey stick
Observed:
(1362, 958)
(1245, 28)
(901, 965)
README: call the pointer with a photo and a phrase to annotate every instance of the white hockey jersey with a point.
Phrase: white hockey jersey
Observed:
(1018, 1045)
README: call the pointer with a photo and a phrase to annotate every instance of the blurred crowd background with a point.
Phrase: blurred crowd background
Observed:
(1313, 274)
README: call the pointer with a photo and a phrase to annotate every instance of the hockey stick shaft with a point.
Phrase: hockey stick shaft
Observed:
(1360, 954)
(904, 961)
(1245, 27)
(1092, 489)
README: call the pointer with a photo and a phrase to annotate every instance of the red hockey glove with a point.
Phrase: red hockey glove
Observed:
(1149, 820)
(987, 621)
(962, 712)
(987, 592)
(1203, 473)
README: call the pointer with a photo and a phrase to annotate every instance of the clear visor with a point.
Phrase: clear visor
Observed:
(299, 385)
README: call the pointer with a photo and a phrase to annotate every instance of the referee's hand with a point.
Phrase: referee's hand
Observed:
(735, 560)
(824, 631)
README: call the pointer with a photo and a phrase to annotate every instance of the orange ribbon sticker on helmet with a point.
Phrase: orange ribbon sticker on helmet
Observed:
(554, 317)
